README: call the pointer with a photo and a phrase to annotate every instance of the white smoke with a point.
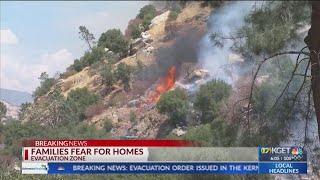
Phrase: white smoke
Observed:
(224, 21)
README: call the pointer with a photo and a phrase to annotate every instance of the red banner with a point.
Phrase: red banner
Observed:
(110, 143)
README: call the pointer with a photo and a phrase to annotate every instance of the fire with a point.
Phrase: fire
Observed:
(165, 85)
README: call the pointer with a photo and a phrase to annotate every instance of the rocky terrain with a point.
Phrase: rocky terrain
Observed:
(12, 111)
(154, 45)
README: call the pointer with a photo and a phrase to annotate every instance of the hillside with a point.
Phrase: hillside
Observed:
(191, 26)
(225, 74)
(14, 97)
(12, 111)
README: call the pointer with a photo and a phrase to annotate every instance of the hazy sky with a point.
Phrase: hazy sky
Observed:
(43, 35)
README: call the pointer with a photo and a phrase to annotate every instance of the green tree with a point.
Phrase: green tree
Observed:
(217, 133)
(77, 65)
(78, 100)
(45, 85)
(3, 110)
(23, 109)
(174, 104)
(173, 15)
(86, 36)
(15, 132)
(115, 41)
(147, 10)
(107, 124)
(124, 74)
(209, 97)
(107, 75)
(146, 21)
(94, 56)
(269, 28)
(135, 31)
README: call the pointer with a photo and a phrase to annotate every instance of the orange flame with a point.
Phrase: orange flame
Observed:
(165, 85)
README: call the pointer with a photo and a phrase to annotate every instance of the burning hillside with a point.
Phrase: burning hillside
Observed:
(165, 85)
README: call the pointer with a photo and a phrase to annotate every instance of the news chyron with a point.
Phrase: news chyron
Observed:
(157, 157)
(282, 160)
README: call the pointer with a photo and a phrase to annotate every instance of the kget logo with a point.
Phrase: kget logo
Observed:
(266, 150)
(275, 150)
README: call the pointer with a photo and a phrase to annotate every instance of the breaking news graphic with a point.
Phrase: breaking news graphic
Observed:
(156, 157)
(159, 90)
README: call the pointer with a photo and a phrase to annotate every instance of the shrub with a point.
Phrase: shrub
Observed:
(45, 85)
(174, 104)
(147, 21)
(69, 72)
(23, 108)
(94, 109)
(77, 65)
(133, 116)
(135, 31)
(15, 132)
(173, 15)
(107, 124)
(94, 56)
(209, 97)
(3, 110)
(107, 76)
(147, 10)
(78, 100)
(171, 27)
(115, 41)
(136, 22)
(112, 58)
(124, 74)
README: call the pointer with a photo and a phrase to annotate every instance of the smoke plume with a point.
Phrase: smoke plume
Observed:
(223, 21)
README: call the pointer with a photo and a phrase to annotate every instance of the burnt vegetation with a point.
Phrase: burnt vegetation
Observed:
(252, 112)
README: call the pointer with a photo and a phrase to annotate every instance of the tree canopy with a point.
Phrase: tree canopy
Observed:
(45, 85)
(174, 104)
(115, 41)
(209, 97)
(147, 10)
(3, 110)
(86, 36)
(123, 73)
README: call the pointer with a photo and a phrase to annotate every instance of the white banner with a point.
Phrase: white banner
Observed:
(35, 168)
(85, 154)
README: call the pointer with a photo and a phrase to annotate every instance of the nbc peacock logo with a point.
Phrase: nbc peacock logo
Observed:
(60, 168)
(296, 151)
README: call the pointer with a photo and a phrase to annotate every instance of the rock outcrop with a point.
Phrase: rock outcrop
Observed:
(158, 19)
(198, 74)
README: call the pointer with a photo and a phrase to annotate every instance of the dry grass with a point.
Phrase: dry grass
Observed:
(67, 85)
(119, 99)
(79, 80)
(94, 110)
